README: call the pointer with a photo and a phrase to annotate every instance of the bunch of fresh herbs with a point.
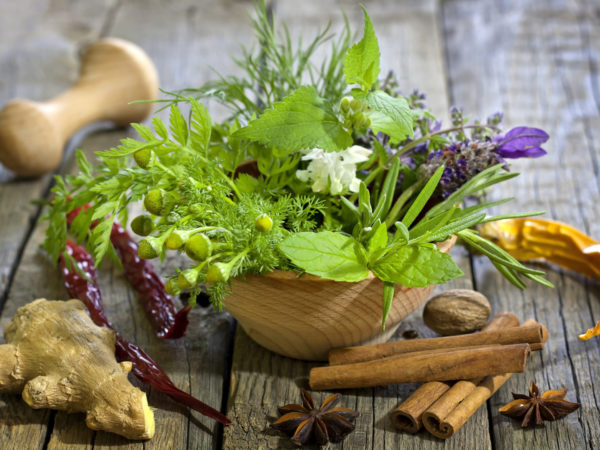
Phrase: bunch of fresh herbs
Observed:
(338, 177)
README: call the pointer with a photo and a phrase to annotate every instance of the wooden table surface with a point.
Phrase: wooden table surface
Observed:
(538, 61)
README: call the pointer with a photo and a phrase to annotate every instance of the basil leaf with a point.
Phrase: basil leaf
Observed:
(326, 254)
(416, 266)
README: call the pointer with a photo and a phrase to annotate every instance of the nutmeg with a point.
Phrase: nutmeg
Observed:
(457, 311)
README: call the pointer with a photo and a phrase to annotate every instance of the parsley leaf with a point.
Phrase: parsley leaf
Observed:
(361, 64)
(416, 266)
(302, 120)
(326, 254)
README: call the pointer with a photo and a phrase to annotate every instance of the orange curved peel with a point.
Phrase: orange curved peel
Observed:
(551, 241)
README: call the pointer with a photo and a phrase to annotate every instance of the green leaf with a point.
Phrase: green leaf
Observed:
(247, 183)
(390, 115)
(200, 125)
(361, 63)
(83, 163)
(178, 125)
(326, 254)
(301, 121)
(103, 210)
(416, 266)
(379, 239)
(388, 297)
(160, 128)
(144, 131)
(417, 206)
(100, 238)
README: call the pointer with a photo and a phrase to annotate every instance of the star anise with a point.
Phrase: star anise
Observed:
(307, 424)
(551, 405)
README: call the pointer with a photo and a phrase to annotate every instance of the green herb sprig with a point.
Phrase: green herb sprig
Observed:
(229, 196)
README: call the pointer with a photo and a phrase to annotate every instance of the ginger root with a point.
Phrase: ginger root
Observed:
(58, 358)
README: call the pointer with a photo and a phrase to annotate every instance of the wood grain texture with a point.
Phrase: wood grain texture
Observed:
(410, 41)
(197, 364)
(539, 62)
(39, 45)
(284, 313)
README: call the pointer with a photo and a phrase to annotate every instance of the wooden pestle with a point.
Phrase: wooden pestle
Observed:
(113, 73)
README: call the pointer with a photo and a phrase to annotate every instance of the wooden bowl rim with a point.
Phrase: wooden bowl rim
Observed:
(287, 275)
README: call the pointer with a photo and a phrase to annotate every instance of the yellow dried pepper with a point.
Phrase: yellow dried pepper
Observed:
(548, 240)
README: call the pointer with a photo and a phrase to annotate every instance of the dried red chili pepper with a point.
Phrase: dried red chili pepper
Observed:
(143, 366)
(167, 322)
(158, 305)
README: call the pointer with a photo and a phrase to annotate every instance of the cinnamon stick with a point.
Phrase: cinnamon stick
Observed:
(532, 335)
(408, 415)
(451, 411)
(431, 365)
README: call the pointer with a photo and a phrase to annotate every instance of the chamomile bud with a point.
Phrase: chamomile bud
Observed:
(217, 272)
(263, 223)
(142, 225)
(196, 209)
(176, 240)
(154, 201)
(146, 250)
(345, 104)
(355, 105)
(187, 279)
(364, 121)
(143, 158)
(198, 247)
(172, 288)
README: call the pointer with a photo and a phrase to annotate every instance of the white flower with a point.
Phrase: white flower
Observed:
(333, 171)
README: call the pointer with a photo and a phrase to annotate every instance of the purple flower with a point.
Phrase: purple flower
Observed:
(521, 142)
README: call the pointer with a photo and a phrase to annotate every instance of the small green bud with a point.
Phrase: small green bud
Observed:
(175, 240)
(187, 279)
(143, 158)
(198, 247)
(345, 104)
(172, 288)
(217, 272)
(356, 105)
(361, 121)
(154, 201)
(146, 250)
(142, 225)
(263, 223)
(196, 209)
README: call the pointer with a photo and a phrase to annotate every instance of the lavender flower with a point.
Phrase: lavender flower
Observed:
(521, 142)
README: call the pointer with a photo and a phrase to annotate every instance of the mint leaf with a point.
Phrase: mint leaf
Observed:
(416, 266)
(378, 239)
(390, 115)
(361, 63)
(326, 254)
(303, 120)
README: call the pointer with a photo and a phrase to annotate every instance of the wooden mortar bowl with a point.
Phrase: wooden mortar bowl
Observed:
(305, 317)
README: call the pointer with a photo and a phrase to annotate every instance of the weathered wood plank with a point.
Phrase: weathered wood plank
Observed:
(539, 62)
(37, 61)
(410, 44)
(181, 37)
(39, 43)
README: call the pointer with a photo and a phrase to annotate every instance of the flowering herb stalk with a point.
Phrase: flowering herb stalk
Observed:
(338, 178)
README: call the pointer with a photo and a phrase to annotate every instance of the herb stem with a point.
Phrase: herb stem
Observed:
(428, 136)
